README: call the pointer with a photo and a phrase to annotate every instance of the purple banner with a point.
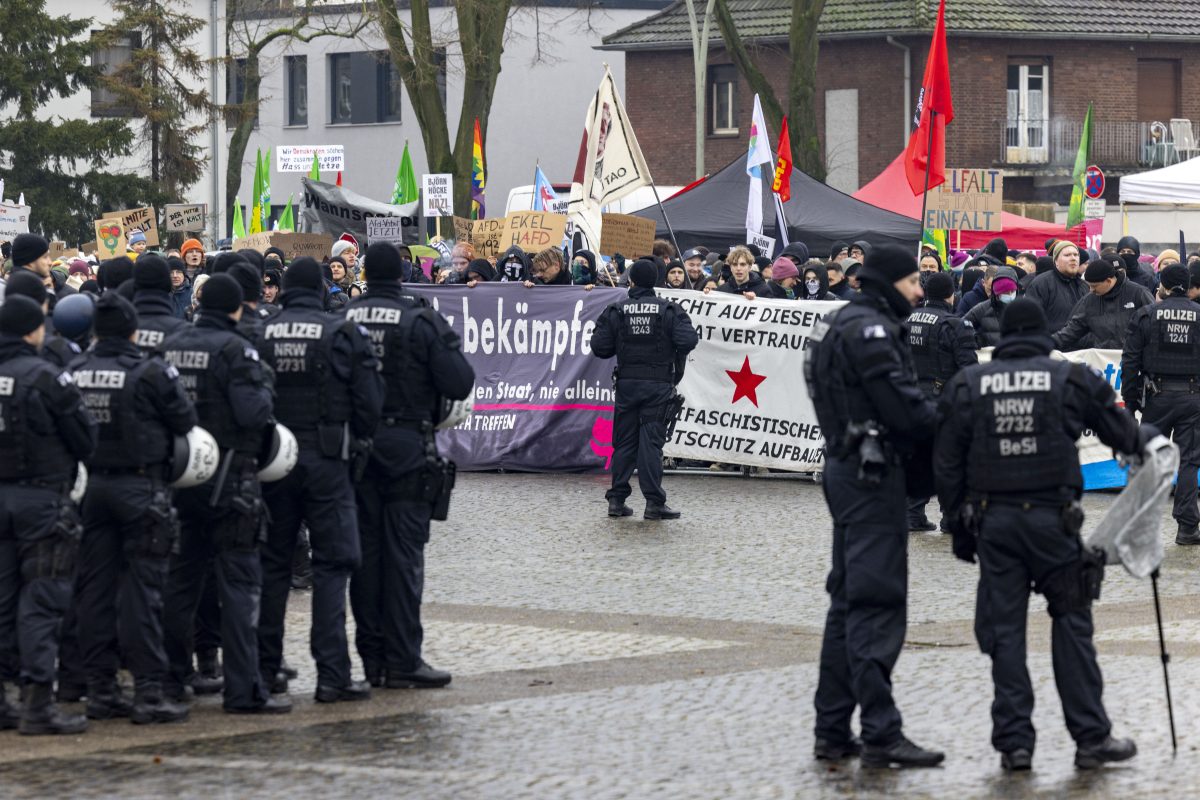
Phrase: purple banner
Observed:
(543, 402)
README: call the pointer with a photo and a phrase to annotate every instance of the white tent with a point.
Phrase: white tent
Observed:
(1178, 184)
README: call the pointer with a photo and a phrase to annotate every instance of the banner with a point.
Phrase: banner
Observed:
(181, 217)
(13, 220)
(334, 210)
(543, 402)
(330, 158)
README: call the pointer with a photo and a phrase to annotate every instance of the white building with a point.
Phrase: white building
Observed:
(339, 91)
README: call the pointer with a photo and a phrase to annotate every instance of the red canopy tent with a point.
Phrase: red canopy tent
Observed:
(890, 191)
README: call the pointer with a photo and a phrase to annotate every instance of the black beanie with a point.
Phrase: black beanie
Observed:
(1023, 316)
(114, 272)
(998, 249)
(248, 280)
(1044, 264)
(115, 317)
(304, 273)
(1175, 276)
(482, 268)
(888, 263)
(939, 286)
(1130, 242)
(221, 293)
(151, 272)
(20, 316)
(27, 248)
(643, 273)
(27, 284)
(383, 262)
(253, 258)
(1099, 270)
(224, 261)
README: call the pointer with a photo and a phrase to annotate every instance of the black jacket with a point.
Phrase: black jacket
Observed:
(1057, 295)
(754, 283)
(1102, 322)
(985, 319)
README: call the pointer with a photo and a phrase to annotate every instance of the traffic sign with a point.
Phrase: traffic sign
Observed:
(1095, 182)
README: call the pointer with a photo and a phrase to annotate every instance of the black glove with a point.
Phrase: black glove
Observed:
(1132, 405)
(961, 542)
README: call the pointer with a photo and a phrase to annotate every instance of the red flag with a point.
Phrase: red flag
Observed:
(782, 184)
(935, 108)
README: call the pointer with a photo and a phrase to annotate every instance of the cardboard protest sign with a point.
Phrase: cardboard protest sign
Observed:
(385, 229)
(628, 235)
(299, 158)
(314, 245)
(58, 250)
(14, 219)
(489, 236)
(110, 238)
(87, 248)
(142, 219)
(186, 217)
(437, 195)
(253, 241)
(533, 230)
(969, 200)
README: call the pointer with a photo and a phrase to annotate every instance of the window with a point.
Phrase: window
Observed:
(340, 86)
(364, 88)
(1158, 89)
(1027, 120)
(389, 90)
(722, 96)
(235, 91)
(297, 90)
(105, 102)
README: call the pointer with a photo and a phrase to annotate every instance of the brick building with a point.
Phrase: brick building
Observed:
(1022, 71)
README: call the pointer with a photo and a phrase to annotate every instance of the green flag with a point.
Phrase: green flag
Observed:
(255, 225)
(286, 223)
(405, 190)
(315, 172)
(239, 229)
(1079, 174)
(266, 191)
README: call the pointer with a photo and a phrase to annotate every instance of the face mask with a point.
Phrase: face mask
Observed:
(1008, 298)
(813, 286)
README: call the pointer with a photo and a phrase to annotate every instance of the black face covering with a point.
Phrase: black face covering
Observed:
(1131, 261)
(896, 301)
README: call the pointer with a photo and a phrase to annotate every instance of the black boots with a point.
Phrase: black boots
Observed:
(900, 753)
(423, 677)
(10, 717)
(1103, 752)
(106, 701)
(661, 512)
(149, 706)
(1019, 760)
(617, 508)
(208, 678)
(351, 692)
(41, 716)
(825, 750)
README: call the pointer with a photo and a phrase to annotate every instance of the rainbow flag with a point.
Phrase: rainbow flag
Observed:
(938, 240)
(478, 179)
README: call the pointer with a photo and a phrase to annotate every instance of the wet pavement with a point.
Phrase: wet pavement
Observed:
(599, 658)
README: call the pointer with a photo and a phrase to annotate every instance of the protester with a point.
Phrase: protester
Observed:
(743, 279)
(850, 269)
(192, 253)
(514, 266)
(985, 317)
(930, 262)
(136, 244)
(583, 268)
(784, 280)
(839, 251)
(548, 269)
(814, 282)
(348, 253)
(1101, 318)
(181, 288)
(676, 276)
(272, 280)
(984, 271)
(693, 266)
(1165, 259)
(838, 285)
(480, 271)
(1058, 291)
(859, 250)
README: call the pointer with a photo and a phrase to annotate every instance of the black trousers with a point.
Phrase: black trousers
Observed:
(208, 615)
(206, 541)
(317, 492)
(120, 585)
(868, 593)
(639, 433)
(1017, 548)
(1177, 415)
(31, 611)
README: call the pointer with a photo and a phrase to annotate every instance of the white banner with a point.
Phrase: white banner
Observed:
(746, 402)
(14, 219)
(299, 158)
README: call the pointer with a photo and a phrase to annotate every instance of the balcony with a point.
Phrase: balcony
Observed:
(1053, 143)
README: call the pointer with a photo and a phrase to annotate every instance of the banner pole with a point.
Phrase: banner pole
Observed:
(666, 219)
(782, 221)
(925, 194)
(1162, 649)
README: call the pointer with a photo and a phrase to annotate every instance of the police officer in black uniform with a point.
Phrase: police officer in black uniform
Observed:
(44, 431)
(1008, 476)
(152, 300)
(650, 337)
(129, 524)
(941, 344)
(328, 393)
(872, 413)
(1160, 376)
(223, 519)
(422, 363)
(56, 349)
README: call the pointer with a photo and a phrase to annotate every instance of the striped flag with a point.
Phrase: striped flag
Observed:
(478, 175)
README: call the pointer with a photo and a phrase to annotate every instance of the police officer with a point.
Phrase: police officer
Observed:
(941, 344)
(871, 411)
(1160, 369)
(152, 300)
(129, 525)
(421, 363)
(56, 349)
(328, 393)
(1008, 476)
(254, 311)
(222, 520)
(45, 430)
(650, 337)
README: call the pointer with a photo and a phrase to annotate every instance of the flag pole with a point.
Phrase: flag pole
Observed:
(666, 219)
(781, 221)
(1162, 649)
(925, 194)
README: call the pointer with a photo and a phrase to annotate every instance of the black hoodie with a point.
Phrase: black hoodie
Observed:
(517, 272)
(823, 293)
(589, 276)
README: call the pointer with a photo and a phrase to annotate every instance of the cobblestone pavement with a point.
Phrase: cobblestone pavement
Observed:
(599, 658)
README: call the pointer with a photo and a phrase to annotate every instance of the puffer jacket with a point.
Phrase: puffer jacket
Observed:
(1102, 322)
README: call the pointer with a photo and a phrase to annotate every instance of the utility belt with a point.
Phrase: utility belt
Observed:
(61, 487)
(156, 472)
(645, 372)
(55, 554)
(874, 453)
(417, 425)
(431, 484)
(1174, 383)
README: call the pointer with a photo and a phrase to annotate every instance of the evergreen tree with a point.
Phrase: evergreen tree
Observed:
(162, 84)
(60, 165)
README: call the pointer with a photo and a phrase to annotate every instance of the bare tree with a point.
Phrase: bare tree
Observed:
(700, 29)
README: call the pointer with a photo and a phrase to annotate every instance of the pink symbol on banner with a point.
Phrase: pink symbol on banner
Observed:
(602, 435)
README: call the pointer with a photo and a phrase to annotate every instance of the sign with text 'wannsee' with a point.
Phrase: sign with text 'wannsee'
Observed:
(299, 158)
(969, 200)
(437, 195)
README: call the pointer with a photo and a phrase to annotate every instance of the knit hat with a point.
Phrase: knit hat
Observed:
(221, 293)
(151, 272)
(783, 267)
(1044, 264)
(1023, 316)
(27, 284)
(1176, 276)
(225, 260)
(1164, 256)
(135, 237)
(191, 244)
(27, 248)
(643, 273)
(115, 317)
(998, 249)
(274, 251)
(384, 262)
(1003, 286)
(20, 316)
(1099, 270)
(1059, 246)
(888, 263)
(1131, 243)
(176, 265)
(272, 277)
(79, 267)
(248, 280)
(114, 272)
(304, 273)
(939, 286)
(341, 246)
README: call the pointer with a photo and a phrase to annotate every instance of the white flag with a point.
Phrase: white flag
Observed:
(759, 154)
(610, 165)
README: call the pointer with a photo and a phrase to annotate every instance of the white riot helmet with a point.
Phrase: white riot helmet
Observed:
(196, 458)
(80, 487)
(281, 457)
(455, 412)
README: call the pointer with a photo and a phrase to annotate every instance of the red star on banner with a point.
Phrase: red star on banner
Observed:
(745, 383)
